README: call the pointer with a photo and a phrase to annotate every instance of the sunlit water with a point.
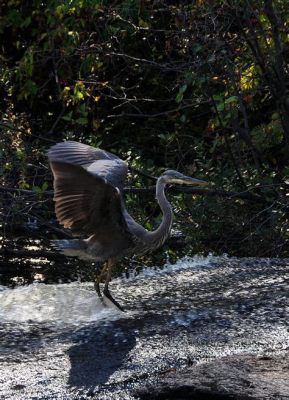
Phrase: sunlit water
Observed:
(76, 302)
(65, 342)
(68, 303)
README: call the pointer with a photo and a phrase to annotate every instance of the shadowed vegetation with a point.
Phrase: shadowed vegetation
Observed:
(200, 86)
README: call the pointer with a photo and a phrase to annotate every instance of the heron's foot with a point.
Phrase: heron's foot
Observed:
(108, 295)
(106, 270)
(97, 289)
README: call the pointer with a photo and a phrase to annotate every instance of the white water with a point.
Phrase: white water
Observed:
(78, 302)
(181, 264)
(191, 283)
(38, 302)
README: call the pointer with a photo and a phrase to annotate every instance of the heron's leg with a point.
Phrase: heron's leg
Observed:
(97, 281)
(97, 287)
(106, 291)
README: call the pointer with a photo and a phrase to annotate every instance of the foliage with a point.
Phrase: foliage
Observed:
(198, 86)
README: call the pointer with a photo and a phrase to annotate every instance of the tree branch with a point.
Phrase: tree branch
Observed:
(244, 195)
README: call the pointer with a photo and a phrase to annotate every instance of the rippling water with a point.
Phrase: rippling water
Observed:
(59, 341)
(77, 302)
(69, 303)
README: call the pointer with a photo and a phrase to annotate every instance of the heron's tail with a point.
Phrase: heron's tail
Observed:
(72, 247)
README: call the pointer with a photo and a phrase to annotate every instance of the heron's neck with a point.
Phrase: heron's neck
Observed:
(162, 232)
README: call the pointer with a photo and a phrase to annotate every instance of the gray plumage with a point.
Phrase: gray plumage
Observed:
(88, 195)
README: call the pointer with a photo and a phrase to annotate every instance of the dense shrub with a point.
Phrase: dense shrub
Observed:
(197, 86)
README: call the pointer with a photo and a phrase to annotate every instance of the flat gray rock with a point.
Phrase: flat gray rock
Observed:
(238, 377)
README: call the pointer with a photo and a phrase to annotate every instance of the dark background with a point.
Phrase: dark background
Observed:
(198, 86)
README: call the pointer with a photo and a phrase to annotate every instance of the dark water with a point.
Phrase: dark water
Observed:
(60, 342)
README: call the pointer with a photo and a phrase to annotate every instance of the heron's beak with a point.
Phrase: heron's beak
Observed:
(187, 180)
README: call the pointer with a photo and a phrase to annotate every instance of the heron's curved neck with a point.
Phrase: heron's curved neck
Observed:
(162, 232)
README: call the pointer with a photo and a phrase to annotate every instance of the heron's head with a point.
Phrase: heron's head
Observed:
(171, 177)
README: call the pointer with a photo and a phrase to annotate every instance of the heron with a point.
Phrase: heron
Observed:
(88, 195)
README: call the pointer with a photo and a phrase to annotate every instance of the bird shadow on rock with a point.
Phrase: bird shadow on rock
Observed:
(99, 352)
(102, 350)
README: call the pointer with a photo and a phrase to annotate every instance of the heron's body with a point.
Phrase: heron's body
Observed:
(88, 186)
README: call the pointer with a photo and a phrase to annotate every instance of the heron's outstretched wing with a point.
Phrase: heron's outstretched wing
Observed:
(88, 203)
(98, 162)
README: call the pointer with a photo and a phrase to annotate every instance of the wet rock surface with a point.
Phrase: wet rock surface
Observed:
(203, 327)
(238, 377)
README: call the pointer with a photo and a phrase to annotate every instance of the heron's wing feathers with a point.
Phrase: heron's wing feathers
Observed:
(87, 203)
(98, 162)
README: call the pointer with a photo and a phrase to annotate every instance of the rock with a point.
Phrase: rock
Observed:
(237, 377)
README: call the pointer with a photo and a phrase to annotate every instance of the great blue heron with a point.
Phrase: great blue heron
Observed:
(88, 195)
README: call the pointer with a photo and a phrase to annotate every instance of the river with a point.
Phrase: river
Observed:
(59, 342)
